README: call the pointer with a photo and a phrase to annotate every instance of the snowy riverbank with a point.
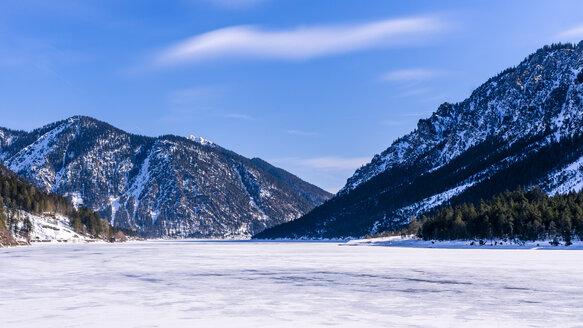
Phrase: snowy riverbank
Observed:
(398, 241)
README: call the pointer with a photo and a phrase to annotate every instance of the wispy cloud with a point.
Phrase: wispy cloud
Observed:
(192, 95)
(335, 163)
(416, 92)
(301, 133)
(324, 171)
(393, 122)
(302, 42)
(329, 163)
(235, 4)
(238, 116)
(416, 114)
(11, 61)
(572, 34)
(414, 75)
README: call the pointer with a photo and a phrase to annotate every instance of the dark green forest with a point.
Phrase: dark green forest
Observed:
(524, 215)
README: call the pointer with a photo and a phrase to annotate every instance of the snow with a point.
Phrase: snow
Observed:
(34, 156)
(200, 140)
(264, 193)
(433, 201)
(48, 228)
(140, 183)
(6, 138)
(276, 284)
(410, 241)
(141, 179)
(261, 215)
(114, 203)
(154, 216)
(569, 178)
(75, 198)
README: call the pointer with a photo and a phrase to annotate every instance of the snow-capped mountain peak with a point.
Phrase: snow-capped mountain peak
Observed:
(200, 140)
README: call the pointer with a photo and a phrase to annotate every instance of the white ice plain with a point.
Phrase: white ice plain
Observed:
(269, 284)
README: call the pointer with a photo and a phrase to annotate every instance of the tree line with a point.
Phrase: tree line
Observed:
(518, 215)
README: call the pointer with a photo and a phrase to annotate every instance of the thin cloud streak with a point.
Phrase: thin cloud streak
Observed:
(238, 116)
(235, 4)
(573, 34)
(301, 43)
(416, 92)
(192, 95)
(393, 122)
(335, 163)
(416, 114)
(301, 133)
(413, 75)
(325, 163)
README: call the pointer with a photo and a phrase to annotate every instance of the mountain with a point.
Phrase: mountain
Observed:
(521, 128)
(168, 186)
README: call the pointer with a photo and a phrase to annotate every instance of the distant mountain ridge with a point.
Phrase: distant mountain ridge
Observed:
(523, 127)
(167, 186)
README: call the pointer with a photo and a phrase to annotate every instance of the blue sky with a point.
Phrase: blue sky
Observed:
(315, 87)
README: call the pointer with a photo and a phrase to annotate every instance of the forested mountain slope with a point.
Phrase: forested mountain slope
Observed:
(523, 127)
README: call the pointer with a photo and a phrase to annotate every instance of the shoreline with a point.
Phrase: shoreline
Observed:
(412, 242)
(393, 241)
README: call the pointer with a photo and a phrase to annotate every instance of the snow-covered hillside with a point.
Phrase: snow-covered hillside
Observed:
(48, 228)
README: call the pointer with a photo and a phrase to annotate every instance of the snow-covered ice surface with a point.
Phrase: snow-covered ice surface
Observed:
(294, 284)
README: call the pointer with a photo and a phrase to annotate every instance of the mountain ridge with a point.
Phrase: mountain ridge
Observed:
(166, 186)
(503, 126)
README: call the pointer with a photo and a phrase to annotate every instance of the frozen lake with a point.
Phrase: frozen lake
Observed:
(248, 284)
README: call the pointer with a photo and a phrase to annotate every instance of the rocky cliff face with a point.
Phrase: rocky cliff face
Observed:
(163, 187)
(520, 128)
